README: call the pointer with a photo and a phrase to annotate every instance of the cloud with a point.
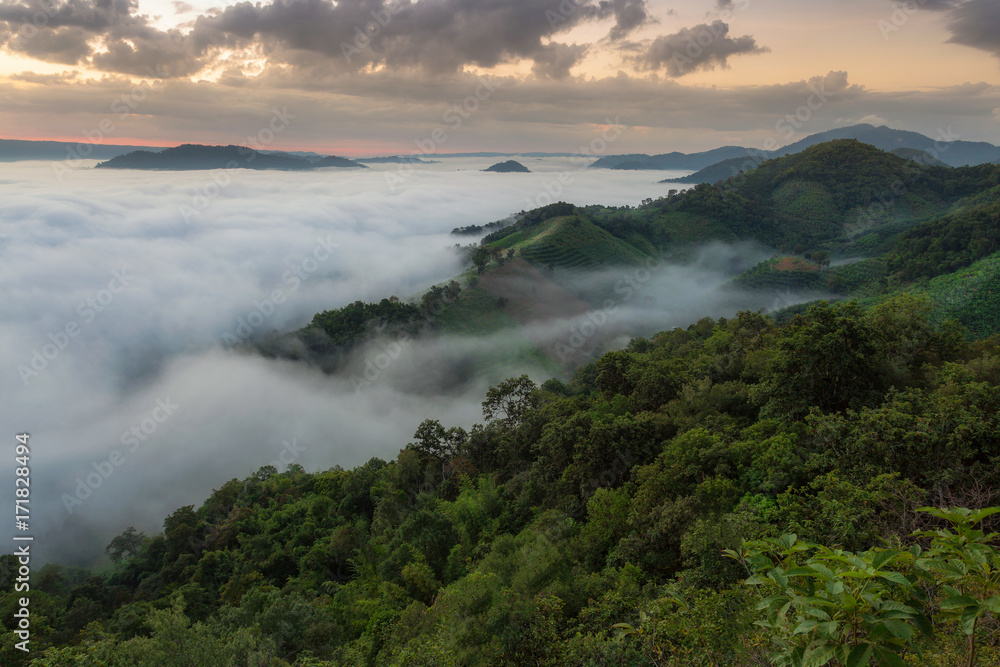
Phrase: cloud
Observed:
(629, 16)
(873, 119)
(557, 59)
(149, 299)
(533, 114)
(976, 23)
(702, 47)
(433, 36)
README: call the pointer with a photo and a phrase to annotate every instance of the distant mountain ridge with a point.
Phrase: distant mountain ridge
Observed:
(953, 153)
(15, 150)
(189, 157)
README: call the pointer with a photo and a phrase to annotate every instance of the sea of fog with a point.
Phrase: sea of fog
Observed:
(119, 289)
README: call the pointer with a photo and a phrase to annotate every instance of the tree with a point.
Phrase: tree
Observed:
(513, 397)
(125, 545)
(481, 257)
(434, 441)
(821, 258)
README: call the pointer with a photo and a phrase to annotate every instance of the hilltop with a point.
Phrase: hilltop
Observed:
(510, 166)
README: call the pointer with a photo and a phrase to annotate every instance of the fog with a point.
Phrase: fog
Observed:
(121, 288)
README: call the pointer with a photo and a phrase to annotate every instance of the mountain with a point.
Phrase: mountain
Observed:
(395, 159)
(673, 161)
(510, 166)
(13, 150)
(195, 157)
(735, 167)
(954, 153)
(718, 172)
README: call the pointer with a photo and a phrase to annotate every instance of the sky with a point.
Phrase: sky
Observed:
(376, 77)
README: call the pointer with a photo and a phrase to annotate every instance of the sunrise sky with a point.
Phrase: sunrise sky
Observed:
(680, 74)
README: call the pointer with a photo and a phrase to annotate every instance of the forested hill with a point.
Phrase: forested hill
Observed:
(843, 217)
(588, 523)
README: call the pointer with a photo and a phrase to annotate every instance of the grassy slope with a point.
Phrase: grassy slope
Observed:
(571, 242)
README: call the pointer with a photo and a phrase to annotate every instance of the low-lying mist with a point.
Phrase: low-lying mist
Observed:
(122, 291)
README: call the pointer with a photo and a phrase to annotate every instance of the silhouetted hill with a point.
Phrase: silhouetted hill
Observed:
(510, 166)
(693, 161)
(195, 156)
(719, 171)
(954, 153)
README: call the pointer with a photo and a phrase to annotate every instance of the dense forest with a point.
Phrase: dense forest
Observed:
(738, 492)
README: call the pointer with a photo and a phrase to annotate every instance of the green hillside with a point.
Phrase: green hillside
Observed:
(885, 223)
(570, 242)
(613, 520)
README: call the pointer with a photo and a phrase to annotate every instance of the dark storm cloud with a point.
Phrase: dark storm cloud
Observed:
(436, 36)
(68, 32)
(555, 61)
(705, 46)
(629, 15)
(977, 24)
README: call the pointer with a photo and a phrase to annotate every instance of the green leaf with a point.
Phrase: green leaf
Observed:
(958, 602)
(819, 656)
(969, 616)
(804, 626)
(860, 656)
(897, 578)
(801, 572)
(899, 629)
(829, 628)
(976, 517)
(887, 658)
(882, 558)
(923, 624)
